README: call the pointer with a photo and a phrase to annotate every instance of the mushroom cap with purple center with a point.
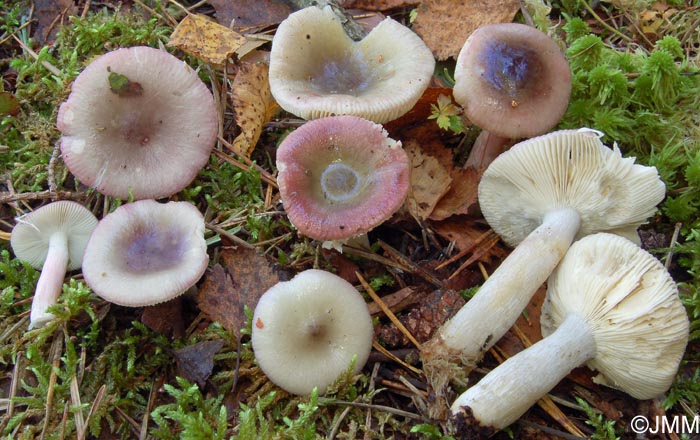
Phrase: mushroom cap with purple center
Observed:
(512, 80)
(316, 70)
(341, 176)
(146, 136)
(146, 252)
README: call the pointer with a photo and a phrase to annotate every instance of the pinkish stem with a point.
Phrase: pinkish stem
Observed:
(50, 282)
(486, 148)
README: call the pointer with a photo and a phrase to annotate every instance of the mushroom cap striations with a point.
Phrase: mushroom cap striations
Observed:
(316, 70)
(512, 80)
(306, 331)
(632, 306)
(568, 168)
(32, 233)
(146, 253)
(138, 122)
(341, 176)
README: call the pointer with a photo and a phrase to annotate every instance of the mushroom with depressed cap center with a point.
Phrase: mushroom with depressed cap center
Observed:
(138, 122)
(307, 331)
(540, 195)
(316, 70)
(146, 252)
(341, 176)
(610, 305)
(514, 82)
(52, 238)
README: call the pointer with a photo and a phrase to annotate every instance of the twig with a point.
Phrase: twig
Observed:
(377, 346)
(674, 241)
(384, 408)
(413, 267)
(56, 350)
(41, 195)
(603, 23)
(387, 311)
(476, 255)
(225, 233)
(52, 168)
(266, 176)
(48, 66)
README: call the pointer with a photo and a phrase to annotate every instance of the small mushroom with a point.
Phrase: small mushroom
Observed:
(341, 176)
(138, 122)
(514, 82)
(610, 305)
(51, 238)
(307, 331)
(316, 70)
(539, 196)
(146, 252)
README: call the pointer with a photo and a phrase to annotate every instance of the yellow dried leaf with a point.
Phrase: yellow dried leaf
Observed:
(253, 105)
(429, 181)
(206, 40)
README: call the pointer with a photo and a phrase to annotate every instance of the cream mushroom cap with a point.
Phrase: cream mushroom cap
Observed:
(632, 305)
(306, 331)
(341, 176)
(316, 70)
(149, 139)
(568, 168)
(146, 253)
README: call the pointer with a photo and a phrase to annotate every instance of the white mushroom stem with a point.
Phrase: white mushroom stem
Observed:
(504, 394)
(500, 300)
(50, 282)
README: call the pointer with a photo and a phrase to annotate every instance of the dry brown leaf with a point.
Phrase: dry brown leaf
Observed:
(420, 112)
(253, 105)
(205, 39)
(445, 25)
(239, 280)
(49, 16)
(195, 362)
(462, 196)
(429, 181)
(378, 5)
(165, 318)
(247, 14)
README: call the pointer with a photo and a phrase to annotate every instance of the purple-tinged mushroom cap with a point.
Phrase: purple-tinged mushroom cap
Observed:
(316, 70)
(138, 122)
(512, 80)
(341, 176)
(52, 238)
(146, 253)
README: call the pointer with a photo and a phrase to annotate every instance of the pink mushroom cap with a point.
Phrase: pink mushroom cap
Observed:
(149, 139)
(341, 176)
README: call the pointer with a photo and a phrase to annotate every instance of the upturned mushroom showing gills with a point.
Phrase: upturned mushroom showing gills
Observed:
(138, 122)
(609, 305)
(308, 330)
(316, 70)
(514, 82)
(341, 176)
(541, 195)
(52, 238)
(146, 252)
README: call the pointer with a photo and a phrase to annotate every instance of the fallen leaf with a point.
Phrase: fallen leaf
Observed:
(378, 5)
(121, 85)
(253, 105)
(49, 16)
(429, 181)
(464, 231)
(462, 196)
(205, 39)
(445, 25)
(196, 362)
(9, 105)
(247, 14)
(165, 318)
(239, 280)
(420, 112)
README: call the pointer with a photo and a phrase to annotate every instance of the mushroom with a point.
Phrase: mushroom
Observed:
(316, 70)
(146, 252)
(341, 176)
(541, 195)
(138, 122)
(51, 238)
(308, 330)
(514, 82)
(610, 305)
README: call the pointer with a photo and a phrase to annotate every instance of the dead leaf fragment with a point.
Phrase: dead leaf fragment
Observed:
(239, 280)
(247, 14)
(462, 196)
(206, 40)
(196, 362)
(429, 181)
(253, 105)
(445, 25)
